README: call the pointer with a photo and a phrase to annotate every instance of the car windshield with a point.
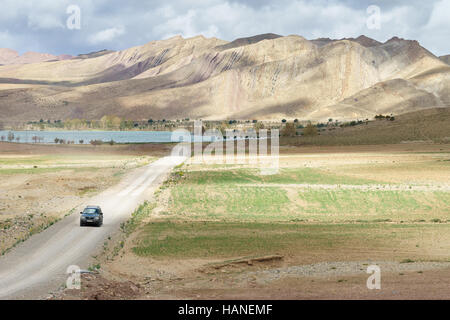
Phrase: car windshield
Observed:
(90, 211)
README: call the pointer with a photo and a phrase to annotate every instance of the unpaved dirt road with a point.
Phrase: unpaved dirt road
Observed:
(38, 266)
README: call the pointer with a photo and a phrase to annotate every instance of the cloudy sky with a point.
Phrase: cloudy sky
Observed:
(42, 25)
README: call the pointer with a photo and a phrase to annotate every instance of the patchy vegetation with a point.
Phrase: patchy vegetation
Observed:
(222, 239)
(432, 125)
(36, 190)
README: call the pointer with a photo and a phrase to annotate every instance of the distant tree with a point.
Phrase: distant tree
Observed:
(254, 121)
(129, 124)
(284, 121)
(56, 140)
(258, 126)
(81, 141)
(295, 120)
(310, 130)
(110, 122)
(289, 130)
(10, 136)
(111, 142)
(35, 139)
(2, 138)
(96, 142)
(150, 121)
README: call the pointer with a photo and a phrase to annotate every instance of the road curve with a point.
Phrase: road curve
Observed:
(38, 266)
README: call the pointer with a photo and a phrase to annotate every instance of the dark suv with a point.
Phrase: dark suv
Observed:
(92, 215)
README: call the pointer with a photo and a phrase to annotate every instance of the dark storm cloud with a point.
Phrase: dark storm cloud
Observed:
(40, 25)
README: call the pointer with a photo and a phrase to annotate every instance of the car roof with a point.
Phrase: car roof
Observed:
(92, 207)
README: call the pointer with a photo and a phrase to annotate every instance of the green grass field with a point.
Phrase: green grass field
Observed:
(225, 176)
(228, 212)
(398, 206)
(220, 240)
(241, 194)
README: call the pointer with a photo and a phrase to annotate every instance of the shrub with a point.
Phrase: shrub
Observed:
(10, 136)
(288, 130)
(310, 130)
(96, 142)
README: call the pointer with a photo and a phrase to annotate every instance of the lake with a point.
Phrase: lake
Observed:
(87, 136)
(49, 137)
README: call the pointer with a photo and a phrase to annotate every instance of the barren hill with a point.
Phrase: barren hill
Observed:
(261, 77)
(8, 56)
(446, 58)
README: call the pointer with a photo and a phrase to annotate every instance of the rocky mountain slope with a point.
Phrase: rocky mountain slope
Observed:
(446, 58)
(262, 77)
(8, 56)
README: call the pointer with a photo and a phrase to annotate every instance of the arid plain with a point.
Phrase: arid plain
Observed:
(308, 232)
(354, 192)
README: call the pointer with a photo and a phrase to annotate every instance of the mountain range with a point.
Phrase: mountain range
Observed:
(266, 77)
(9, 56)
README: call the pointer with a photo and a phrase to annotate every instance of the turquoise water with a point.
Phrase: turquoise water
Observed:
(87, 136)
(48, 137)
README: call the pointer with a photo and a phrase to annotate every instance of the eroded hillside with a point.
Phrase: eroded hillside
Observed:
(261, 77)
